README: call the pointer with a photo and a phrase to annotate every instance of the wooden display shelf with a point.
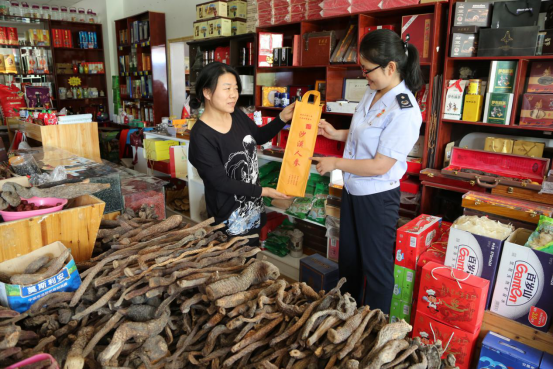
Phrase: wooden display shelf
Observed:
(76, 49)
(499, 126)
(492, 58)
(324, 112)
(3, 46)
(514, 330)
(216, 41)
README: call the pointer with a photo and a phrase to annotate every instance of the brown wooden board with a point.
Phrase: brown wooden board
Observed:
(439, 178)
(523, 194)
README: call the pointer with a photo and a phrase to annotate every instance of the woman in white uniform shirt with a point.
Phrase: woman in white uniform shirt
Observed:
(383, 131)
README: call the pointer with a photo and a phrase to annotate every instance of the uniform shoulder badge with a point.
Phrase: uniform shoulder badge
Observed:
(403, 101)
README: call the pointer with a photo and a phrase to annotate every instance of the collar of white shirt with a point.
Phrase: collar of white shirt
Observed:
(388, 98)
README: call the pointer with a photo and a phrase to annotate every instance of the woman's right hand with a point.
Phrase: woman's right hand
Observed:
(274, 194)
(327, 130)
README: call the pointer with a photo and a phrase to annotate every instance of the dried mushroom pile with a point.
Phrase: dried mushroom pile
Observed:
(171, 295)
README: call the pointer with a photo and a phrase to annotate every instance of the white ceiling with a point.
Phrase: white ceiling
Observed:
(55, 2)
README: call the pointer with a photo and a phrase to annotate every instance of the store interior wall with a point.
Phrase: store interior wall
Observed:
(179, 18)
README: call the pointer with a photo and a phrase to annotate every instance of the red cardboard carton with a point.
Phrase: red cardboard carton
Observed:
(435, 253)
(537, 110)
(414, 238)
(455, 341)
(524, 288)
(267, 42)
(541, 77)
(12, 36)
(419, 29)
(453, 296)
(3, 36)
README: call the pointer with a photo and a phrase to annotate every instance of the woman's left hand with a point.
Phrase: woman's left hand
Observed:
(288, 112)
(325, 165)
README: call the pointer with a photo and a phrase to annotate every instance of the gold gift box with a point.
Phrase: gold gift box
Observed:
(501, 145)
(529, 148)
(269, 95)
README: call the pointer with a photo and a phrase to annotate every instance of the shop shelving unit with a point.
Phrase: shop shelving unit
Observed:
(68, 55)
(453, 130)
(155, 46)
(235, 43)
(335, 74)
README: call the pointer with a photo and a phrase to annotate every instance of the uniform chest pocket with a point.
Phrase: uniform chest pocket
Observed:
(372, 129)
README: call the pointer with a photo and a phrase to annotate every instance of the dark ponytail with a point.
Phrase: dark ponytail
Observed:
(383, 46)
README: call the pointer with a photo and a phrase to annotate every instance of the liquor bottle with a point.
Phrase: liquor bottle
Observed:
(298, 95)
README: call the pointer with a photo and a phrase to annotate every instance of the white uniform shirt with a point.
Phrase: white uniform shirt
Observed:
(387, 129)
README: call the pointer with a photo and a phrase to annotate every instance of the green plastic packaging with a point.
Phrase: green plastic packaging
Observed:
(317, 212)
(542, 238)
(300, 207)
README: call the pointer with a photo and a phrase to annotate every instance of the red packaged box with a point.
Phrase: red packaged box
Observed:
(12, 36)
(56, 37)
(334, 12)
(419, 29)
(537, 110)
(267, 42)
(359, 6)
(222, 54)
(414, 165)
(456, 341)
(387, 4)
(318, 14)
(332, 4)
(422, 98)
(410, 186)
(3, 36)
(67, 41)
(414, 238)
(541, 79)
(452, 296)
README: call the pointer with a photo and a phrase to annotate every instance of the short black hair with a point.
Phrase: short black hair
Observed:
(209, 76)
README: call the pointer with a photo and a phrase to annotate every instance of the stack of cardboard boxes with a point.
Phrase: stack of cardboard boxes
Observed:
(223, 18)
(502, 352)
(411, 241)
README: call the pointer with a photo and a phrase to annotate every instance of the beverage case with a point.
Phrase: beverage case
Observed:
(452, 297)
(414, 238)
(502, 352)
(524, 287)
(474, 254)
(458, 342)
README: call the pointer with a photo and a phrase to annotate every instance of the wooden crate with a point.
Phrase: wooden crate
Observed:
(76, 227)
(80, 139)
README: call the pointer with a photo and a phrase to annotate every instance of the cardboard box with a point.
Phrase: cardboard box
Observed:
(502, 352)
(21, 297)
(268, 42)
(473, 14)
(419, 29)
(524, 288)
(404, 283)
(67, 39)
(341, 107)
(537, 110)
(461, 343)
(333, 249)
(541, 79)
(219, 27)
(547, 48)
(463, 45)
(547, 361)
(452, 296)
(12, 38)
(510, 41)
(414, 238)
(454, 98)
(211, 9)
(400, 310)
(474, 254)
(239, 27)
(158, 149)
(319, 272)
(237, 9)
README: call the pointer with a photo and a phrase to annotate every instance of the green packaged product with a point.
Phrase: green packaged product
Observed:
(300, 207)
(542, 238)
(276, 244)
(317, 212)
(273, 166)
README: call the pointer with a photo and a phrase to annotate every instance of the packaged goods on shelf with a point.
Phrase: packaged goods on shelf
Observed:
(464, 45)
(515, 14)
(502, 145)
(541, 77)
(211, 9)
(547, 48)
(414, 238)
(473, 14)
(472, 107)
(458, 342)
(547, 361)
(237, 9)
(422, 98)
(474, 246)
(359, 6)
(510, 41)
(239, 27)
(268, 42)
(498, 108)
(400, 310)
(528, 148)
(140, 31)
(537, 110)
(502, 352)
(418, 28)
(522, 291)
(502, 76)
(452, 296)
(219, 27)
(21, 296)
(200, 30)
(453, 105)
(404, 283)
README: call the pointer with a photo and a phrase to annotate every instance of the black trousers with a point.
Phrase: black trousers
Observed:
(367, 243)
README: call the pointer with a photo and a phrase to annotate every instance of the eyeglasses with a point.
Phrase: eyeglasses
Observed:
(366, 72)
